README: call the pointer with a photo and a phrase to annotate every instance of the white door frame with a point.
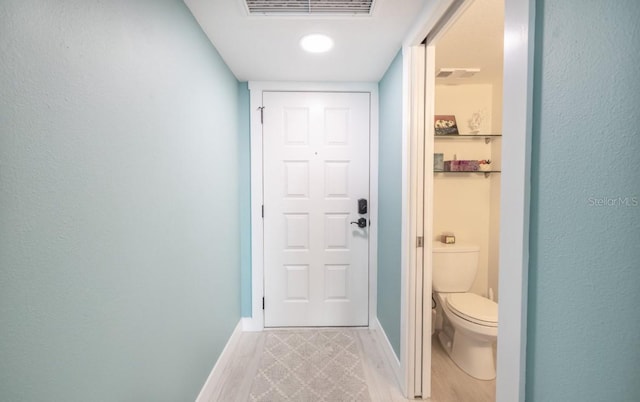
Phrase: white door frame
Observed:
(514, 199)
(411, 255)
(256, 88)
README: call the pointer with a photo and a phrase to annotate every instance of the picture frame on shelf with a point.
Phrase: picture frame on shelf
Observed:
(438, 162)
(445, 125)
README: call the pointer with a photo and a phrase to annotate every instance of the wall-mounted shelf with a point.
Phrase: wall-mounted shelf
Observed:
(468, 137)
(486, 172)
(487, 137)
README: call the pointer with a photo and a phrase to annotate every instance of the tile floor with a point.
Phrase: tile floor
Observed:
(242, 380)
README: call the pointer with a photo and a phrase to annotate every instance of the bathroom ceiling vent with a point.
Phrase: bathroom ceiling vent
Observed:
(309, 7)
(457, 72)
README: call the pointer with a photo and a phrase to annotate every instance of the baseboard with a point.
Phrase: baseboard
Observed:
(250, 324)
(389, 354)
(216, 373)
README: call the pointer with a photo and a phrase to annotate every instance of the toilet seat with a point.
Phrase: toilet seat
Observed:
(474, 308)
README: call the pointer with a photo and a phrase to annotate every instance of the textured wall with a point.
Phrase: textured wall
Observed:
(583, 327)
(119, 241)
(390, 201)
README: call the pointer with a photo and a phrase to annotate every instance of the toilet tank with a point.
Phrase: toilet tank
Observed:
(454, 267)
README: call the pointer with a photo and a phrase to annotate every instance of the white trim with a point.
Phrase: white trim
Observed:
(430, 15)
(385, 345)
(411, 319)
(514, 198)
(256, 321)
(250, 325)
(410, 303)
(414, 57)
(515, 184)
(373, 207)
(257, 246)
(427, 188)
(313, 86)
(206, 393)
(417, 202)
(407, 275)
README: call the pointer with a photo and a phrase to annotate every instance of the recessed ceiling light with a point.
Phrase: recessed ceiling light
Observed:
(316, 43)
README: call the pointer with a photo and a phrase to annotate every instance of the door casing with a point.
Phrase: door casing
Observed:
(256, 88)
(519, 34)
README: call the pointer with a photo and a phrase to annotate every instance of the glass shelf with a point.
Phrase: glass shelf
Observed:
(487, 137)
(486, 172)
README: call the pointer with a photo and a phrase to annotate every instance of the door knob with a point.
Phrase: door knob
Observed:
(362, 223)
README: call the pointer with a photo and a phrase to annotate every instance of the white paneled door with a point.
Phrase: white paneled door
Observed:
(316, 169)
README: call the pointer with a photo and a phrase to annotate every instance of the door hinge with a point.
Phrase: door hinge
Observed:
(261, 114)
(263, 211)
(263, 303)
(420, 241)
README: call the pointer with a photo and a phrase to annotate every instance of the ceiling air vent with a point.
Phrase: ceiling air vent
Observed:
(309, 7)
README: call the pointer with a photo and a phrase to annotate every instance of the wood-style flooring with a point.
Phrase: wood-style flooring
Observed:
(449, 383)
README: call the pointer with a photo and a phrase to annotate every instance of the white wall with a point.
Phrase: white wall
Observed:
(468, 204)
(463, 101)
(496, 161)
(496, 107)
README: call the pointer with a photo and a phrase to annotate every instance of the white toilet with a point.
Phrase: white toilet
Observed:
(470, 322)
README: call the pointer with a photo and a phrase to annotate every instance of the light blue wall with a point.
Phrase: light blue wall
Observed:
(584, 284)
(244, 147)
(390, 201)
(119, 239)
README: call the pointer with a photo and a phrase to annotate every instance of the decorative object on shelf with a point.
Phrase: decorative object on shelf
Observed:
(461, 166)
(438, 162)
(487, 137)
(484, 165)
(445, 125)
(476, 121)
(448, 238)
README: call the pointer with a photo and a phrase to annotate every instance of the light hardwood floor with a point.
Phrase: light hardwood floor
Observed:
(449, 383)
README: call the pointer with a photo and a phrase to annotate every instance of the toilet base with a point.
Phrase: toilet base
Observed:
(474, 356)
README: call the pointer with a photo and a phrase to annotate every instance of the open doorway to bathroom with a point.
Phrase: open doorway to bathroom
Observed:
(464, 194)
(418, 148)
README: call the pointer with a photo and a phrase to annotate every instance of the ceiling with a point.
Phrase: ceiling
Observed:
(474, 40)
(266, 48)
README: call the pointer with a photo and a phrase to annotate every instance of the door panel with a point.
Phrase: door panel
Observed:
(316, 167)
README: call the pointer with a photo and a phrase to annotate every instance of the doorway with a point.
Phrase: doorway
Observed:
(315, 211)
(512, 282)
(467, 93)
(368, 284)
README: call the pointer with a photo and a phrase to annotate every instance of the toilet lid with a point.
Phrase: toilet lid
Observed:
(474, 308)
